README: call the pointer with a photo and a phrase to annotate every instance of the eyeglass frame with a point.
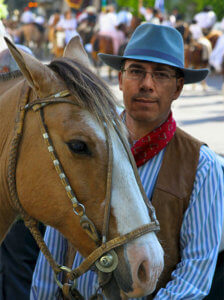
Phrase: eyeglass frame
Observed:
(151, 73)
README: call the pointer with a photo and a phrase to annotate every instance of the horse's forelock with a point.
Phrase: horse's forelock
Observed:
(88, 89)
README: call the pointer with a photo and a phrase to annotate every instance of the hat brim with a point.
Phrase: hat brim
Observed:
(190, 75)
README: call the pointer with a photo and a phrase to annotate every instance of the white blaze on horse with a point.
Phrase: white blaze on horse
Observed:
(63, 162)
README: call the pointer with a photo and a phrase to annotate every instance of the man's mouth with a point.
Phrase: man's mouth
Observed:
(145, 100)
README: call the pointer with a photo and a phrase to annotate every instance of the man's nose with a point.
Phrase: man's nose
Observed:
(147, 81)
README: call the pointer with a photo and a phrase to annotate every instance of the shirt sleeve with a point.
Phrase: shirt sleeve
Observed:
(200, 234)
(43, 285)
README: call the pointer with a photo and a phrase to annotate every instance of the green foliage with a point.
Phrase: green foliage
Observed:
(3, 10)
(133, 4)
(149, 3)
(187, 7)
(190, 7)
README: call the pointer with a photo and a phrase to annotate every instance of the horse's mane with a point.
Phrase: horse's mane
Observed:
(10, 75)
(89, 90)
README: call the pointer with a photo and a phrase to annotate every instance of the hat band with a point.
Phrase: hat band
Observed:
(156, 54)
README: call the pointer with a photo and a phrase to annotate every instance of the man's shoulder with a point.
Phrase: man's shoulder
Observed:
(185, 145)
(206, 154)
(209, 156)
(186, 137)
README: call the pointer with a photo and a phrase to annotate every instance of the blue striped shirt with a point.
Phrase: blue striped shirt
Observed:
(199, 237)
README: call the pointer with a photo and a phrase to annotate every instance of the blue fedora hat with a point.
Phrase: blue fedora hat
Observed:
(159, 44)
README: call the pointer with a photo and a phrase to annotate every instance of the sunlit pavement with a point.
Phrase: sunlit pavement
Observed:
(201, 113)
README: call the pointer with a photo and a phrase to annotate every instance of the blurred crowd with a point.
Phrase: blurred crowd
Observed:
(99, 30)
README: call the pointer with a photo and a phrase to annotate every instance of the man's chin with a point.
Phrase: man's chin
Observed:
(144, 116)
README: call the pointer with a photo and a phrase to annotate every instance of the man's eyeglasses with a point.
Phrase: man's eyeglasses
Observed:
(139, 74)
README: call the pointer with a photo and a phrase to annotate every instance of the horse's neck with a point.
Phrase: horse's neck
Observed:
(9, 100)
(7, 217)
(9, 80)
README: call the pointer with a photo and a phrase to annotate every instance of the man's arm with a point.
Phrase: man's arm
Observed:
(44, 286)
(200, 233)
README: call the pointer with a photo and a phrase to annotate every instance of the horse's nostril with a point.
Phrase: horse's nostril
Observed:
(142, 276)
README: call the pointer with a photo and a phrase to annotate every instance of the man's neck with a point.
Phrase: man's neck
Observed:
(139, 129)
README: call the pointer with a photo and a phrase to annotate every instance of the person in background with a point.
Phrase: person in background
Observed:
(65, 29)
(87, 24)
(195, 30)
(107, 19)
(206, 19)
(40, 23)
(147, 12)
(68, 25)
(27, 16)
(156, 17)
(177, 15)
(182, 177)
(124, 17)
(51, 27)
(216, 59)
(108, 26)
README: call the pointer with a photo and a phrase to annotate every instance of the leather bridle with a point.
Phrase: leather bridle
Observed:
(104, 257)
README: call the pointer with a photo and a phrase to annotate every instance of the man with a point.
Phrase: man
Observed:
(182, 177)
(27, 16)
(206, 19)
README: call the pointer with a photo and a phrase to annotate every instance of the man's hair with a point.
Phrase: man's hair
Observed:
(179, 72)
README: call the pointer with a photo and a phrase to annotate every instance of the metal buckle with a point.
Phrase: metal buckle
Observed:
(66, 269)
(108, 262)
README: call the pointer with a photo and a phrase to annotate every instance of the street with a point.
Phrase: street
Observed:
(200, 113)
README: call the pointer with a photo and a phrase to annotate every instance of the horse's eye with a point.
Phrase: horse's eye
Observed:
(79, 147)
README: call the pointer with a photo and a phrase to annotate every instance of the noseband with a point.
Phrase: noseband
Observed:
(103, 257)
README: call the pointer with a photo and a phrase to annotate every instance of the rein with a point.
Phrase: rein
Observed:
(104, 257)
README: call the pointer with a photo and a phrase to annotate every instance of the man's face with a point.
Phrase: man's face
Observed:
(148, 100)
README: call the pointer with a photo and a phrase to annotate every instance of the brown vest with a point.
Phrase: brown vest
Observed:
(171, 197)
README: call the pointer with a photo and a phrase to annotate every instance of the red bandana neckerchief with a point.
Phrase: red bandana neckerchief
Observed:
(152, 143)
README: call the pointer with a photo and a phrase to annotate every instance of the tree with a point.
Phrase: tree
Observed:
(3, 10)
(134, 4)
(187, 8)
(190, 7)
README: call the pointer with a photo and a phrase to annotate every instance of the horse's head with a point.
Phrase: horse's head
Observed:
(79, 131)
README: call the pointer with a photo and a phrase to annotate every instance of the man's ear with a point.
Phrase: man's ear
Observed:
(120, 79)
(179, 87)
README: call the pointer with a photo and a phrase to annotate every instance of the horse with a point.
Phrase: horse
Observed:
(213, 37)
(184, 30)
(31, 35)
(66, 162)
(197, 54)
(101, 44)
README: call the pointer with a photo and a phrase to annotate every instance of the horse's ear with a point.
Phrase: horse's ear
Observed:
(37, 74)
(75, 50)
